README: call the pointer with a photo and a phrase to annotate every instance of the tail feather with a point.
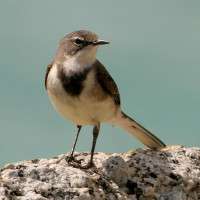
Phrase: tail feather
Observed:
(139, 132)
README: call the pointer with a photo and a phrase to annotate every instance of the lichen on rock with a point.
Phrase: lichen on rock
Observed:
(173, 173)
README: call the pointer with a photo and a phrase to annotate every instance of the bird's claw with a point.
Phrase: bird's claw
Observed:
(77, 163)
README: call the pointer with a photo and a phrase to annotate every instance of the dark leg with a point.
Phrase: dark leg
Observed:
(95, 136)
(74, 145)
(76, 163)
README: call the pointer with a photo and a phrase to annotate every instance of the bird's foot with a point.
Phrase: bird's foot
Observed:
(77, 163)
(70, 158)
(87, 166)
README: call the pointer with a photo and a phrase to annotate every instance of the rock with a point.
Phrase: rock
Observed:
(173, 174)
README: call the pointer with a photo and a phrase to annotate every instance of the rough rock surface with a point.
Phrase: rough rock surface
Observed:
(173, 173)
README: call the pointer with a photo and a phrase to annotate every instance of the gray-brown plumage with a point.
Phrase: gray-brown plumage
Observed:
(82, 90)
(106, 82)
(47, 72)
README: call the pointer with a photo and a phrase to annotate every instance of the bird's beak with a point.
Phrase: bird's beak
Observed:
(100, 42)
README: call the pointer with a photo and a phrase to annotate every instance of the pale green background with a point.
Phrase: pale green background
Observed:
(154, 56)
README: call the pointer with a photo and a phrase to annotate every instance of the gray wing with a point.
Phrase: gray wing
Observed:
(47, 72)
(107, 82)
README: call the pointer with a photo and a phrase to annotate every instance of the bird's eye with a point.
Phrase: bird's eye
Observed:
(78, 41)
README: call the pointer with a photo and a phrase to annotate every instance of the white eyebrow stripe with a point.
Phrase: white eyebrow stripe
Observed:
(80, 38)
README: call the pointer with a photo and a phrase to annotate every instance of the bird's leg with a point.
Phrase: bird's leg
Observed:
(95, 136)
(70, 158)
(76, 163)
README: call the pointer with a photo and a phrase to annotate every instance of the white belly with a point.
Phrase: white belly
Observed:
(86, 109)
(83, 112)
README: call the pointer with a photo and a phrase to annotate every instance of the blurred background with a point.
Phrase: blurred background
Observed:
(153, 55)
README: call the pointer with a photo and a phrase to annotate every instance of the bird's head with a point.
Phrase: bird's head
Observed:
(80, 45)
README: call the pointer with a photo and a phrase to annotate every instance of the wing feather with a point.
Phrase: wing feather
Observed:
(47, 72)
(107, 82)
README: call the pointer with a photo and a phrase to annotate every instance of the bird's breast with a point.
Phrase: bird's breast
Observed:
(80, 99)
(73, 83)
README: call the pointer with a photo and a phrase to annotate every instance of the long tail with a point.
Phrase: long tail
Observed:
(139, 132)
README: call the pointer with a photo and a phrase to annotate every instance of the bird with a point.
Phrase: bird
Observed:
(83, 92)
